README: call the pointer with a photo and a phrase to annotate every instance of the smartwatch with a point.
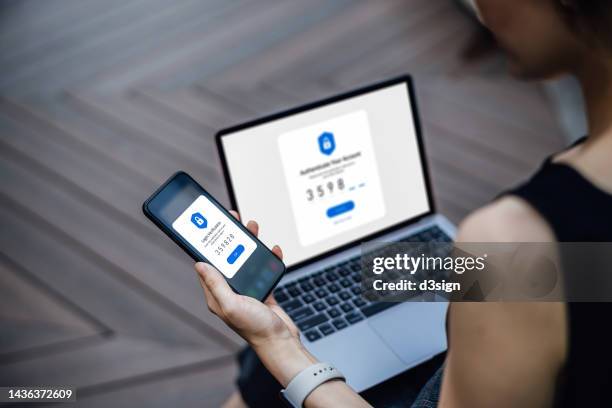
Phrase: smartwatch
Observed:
(306, 381)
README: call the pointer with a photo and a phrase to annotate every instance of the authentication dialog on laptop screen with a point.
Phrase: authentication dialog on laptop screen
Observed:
(321, 178)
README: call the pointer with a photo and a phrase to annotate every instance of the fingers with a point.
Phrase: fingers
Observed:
(212, 304)
(276, 250)
(215, 287)
(253, 227)
(270, 301)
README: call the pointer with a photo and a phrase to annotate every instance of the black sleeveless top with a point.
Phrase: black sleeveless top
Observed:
(578, 211)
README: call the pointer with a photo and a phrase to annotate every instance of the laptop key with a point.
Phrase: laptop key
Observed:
(344, 271)
(319, 306)
(332, 300)
(353, 317)
(333, 288)
(376, 307)
(294, 292)
(359, 302)
(301, 313)
(308, 298)
(312, 335)
(345, 283)
(311, 322)
(319, 281)
(339, 324)
(332, 276)
(281, 296)
(344, 295)
(321, 293)
(292, 305)
(356, 278)
(306, 287)
(346, 307)
(334, 312)
(356, 290)
(326, 329)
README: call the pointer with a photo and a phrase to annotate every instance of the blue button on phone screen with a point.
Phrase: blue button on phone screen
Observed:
(235, 254)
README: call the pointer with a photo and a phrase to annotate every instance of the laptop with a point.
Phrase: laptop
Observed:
(321, 179)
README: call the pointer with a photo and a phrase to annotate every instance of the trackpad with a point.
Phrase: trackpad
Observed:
(415, 331)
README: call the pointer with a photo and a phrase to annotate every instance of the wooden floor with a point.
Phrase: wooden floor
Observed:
(100, 101)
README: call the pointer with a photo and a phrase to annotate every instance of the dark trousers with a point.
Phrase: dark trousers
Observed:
(260, 389)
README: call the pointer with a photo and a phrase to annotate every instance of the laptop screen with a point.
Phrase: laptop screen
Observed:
(329, 175)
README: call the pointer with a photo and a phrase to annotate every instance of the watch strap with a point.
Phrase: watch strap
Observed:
(307, 381)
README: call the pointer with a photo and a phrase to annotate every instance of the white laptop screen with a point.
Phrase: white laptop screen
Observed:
(331, 175)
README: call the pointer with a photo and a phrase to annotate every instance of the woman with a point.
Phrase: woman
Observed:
(503, 354)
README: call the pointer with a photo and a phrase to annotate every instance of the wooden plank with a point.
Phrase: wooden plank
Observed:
(180, 51)
(414, 50)
(125, 50)
(505, 99)
(101, 34)
(358, 48)
(189, 108)
(129, 308)
(118, 170)
(57, 44)
(274, 61)
(257, 101)
(195, 160)
(155, 50)
(117, 359)
(196, 151)
(438, 24)
(509, 138)
(35, 319)
(280, 22)
(198, 385)
(26, 21)
(167, 275)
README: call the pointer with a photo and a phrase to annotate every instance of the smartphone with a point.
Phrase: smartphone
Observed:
(193, 219)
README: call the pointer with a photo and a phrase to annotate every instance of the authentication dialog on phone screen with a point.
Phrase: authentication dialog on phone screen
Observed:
(215, 236)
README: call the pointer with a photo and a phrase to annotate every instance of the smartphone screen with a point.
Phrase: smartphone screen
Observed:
(207, 232)
(215, 236)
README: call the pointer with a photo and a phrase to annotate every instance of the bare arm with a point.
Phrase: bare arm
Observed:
(272, 334)
(286, 360)
(503, 354)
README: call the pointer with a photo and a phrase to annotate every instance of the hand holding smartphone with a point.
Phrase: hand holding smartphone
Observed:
(194, 220)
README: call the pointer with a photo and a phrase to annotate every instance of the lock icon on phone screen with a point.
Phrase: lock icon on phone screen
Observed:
(199, 221)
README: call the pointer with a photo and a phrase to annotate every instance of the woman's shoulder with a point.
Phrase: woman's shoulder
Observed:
(532, 335)
(507, 219)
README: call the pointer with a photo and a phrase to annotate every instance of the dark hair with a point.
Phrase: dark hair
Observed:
(590, 18)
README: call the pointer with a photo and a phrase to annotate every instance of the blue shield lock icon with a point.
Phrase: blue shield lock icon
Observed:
(327, 144)
(199, 221)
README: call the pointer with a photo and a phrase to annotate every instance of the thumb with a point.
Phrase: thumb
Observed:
(215, 283)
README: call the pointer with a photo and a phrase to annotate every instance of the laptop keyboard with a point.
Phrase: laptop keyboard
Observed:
(330, 300)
